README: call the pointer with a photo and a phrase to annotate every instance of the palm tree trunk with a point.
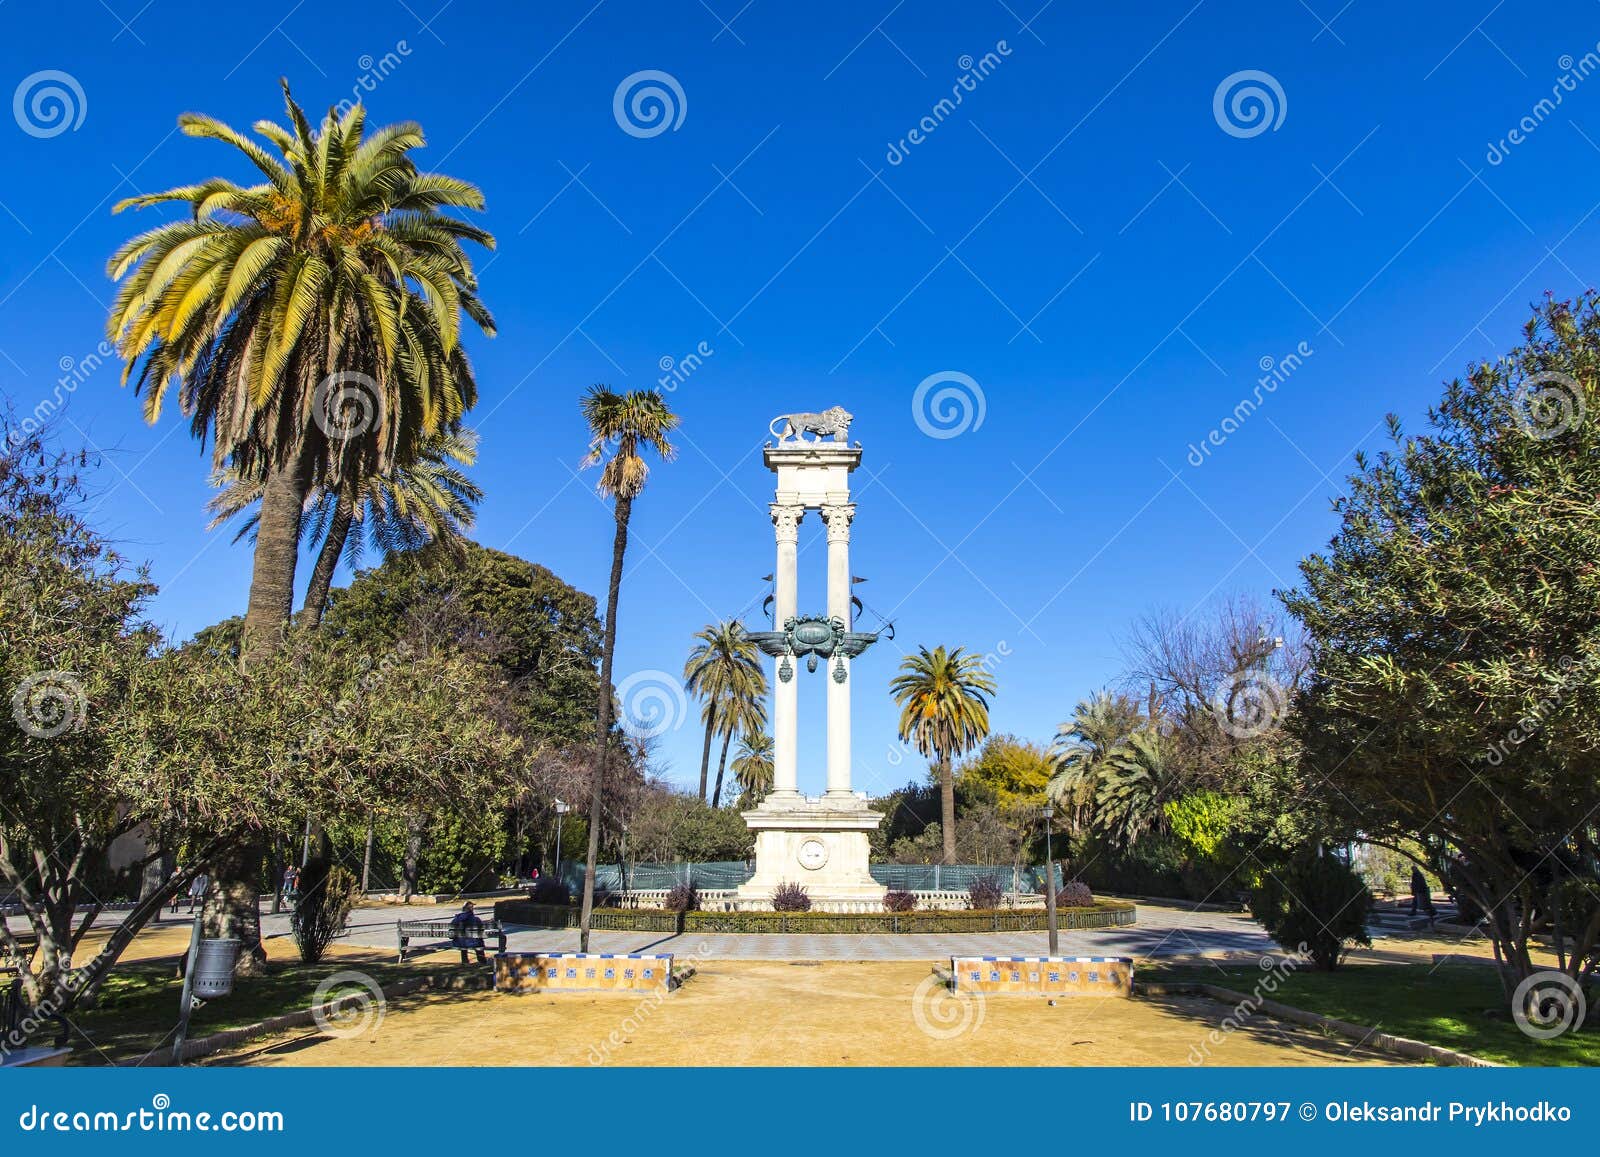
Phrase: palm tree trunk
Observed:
(619, 546)
(235, 900)
(947, 808)
(327, 562)
(277, 551)
(705, 750)
(716, 796)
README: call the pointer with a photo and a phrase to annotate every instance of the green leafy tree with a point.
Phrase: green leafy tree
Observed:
(1137, 781)
(944, 712)
(311, 321)
(1455, 626)
(621, 428)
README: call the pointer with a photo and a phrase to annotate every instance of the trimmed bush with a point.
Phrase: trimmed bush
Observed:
(1316, 904)
(550, 890)
(898, 901)
(683, 898)
(1105, 914)
(984, 893)
(1074, 894)
(791, 898)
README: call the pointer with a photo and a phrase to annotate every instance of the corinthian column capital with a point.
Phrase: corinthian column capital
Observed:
(786, 521)
(838, 516)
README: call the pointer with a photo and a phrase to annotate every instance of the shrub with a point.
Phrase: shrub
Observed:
(791, 898)
(327, 894)
(683, 898)
(1315, 903)
(898, 901)
(984, 893)
(550, 890)
(1074, 894)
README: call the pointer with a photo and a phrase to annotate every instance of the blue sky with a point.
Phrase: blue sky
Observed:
(1106, 257)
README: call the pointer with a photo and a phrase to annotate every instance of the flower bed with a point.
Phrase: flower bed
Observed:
(1104, 914)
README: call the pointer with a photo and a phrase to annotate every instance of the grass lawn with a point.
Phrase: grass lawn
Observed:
(138, 1008)
(1448, 1005)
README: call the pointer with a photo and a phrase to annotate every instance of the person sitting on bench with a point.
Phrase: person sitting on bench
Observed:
(466, 931)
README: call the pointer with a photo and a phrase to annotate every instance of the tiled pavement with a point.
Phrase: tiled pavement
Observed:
(1162, 930)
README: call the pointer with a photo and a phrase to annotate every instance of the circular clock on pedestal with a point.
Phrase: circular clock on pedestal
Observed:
(813, 854)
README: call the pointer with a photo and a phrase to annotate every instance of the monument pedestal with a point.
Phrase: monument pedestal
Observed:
(822, 844)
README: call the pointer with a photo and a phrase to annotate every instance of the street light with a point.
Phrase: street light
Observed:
(1050, 884)
(561, 810)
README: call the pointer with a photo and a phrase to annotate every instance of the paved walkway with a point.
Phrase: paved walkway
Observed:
(1162, 930)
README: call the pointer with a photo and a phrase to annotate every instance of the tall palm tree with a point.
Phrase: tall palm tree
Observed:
(426, 500)
(1083, 749)
(753, 768)
(944, 712)
(310, 322)
(723, 668)
(621, 428)
(740, 713)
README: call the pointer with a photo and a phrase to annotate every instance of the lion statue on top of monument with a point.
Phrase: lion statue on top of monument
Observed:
(833, 422)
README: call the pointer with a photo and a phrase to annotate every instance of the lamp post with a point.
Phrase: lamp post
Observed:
(561, 810)
(1050, 883)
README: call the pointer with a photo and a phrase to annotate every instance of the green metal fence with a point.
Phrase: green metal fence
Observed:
(731, 873)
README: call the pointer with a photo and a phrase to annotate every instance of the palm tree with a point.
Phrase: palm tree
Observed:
(944, 712)
(1083, 748)
(1135, 785)
(753, 768)
(738, 714)
(310, 322)
(423, 501)
(621, 428)
(723, 668)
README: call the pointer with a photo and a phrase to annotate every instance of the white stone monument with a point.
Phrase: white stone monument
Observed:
(819, 842)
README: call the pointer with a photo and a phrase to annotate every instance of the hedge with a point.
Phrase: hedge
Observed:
(1104, 914)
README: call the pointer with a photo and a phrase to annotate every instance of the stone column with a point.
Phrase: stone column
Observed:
(837, 514)
(785, 695)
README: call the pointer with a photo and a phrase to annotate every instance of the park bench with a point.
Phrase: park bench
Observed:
(440, 935)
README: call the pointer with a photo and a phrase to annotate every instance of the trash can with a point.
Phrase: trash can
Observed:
(213, 968)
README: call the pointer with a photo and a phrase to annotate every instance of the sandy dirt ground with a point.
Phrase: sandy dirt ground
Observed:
(777, 1013)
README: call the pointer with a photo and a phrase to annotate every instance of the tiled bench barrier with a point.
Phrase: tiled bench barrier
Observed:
(582, 972)
(1044, 975)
